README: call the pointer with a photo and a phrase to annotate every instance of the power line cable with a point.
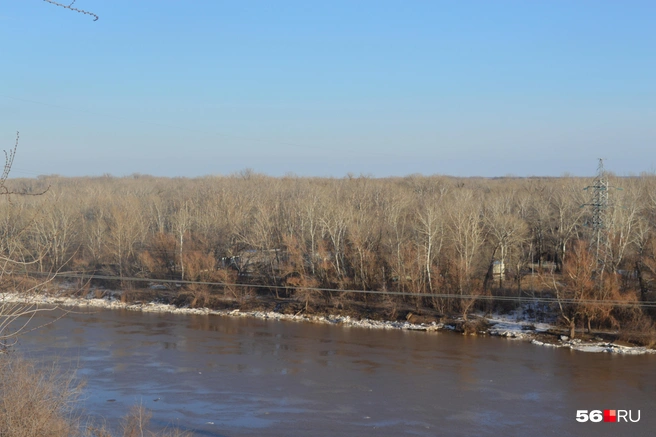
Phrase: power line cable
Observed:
(523, 299)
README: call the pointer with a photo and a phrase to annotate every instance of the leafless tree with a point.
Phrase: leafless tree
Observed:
(432, 232)
(181, 224)
(467, 238)
(17, 311)
(506, 231)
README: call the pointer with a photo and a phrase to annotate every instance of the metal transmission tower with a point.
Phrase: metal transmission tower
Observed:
(599, 206)
(599, 198)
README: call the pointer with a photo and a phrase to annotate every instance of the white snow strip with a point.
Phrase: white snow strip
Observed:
(155, 307)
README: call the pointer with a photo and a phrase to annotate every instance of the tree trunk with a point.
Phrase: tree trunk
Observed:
(641, 281)
(572, 328)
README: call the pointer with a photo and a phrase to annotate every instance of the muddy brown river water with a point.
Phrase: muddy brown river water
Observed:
(225, 376)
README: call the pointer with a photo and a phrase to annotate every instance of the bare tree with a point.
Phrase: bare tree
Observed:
(334, 224)
(16, 312)
(396, 236)
(467, 237)
(565, 202)
(56, 230)
(431, 230)
(126, 228)
(622, 228)
(506, 230)
(181, 223)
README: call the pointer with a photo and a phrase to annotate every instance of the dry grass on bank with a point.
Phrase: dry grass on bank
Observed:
(35, 402)
(41, 402)
(641, 330)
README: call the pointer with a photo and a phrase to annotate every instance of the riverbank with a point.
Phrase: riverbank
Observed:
(515, 325)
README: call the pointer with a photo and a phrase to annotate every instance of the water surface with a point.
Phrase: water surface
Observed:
(230, 376)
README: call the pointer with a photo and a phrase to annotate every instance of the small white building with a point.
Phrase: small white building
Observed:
(498, 268)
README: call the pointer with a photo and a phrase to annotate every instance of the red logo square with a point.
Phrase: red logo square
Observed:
(610, 415)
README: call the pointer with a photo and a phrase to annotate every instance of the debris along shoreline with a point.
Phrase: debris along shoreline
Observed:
(511, 326)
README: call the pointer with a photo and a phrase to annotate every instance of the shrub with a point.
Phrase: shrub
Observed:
(41, 402)
(35, 402)
(639, 330)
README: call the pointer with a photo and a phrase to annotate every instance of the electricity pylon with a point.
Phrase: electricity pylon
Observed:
(599, 206)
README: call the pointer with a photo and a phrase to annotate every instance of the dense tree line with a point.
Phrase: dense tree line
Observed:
(465, 236)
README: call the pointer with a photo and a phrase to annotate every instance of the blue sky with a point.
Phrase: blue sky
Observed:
(466, 88)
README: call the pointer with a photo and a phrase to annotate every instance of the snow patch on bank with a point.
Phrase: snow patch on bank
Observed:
(604, 347)
(158, 307)
(521, 322)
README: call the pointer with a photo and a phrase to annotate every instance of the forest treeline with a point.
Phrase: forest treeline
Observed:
(416, 234)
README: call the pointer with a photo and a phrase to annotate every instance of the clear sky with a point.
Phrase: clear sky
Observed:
(188, 88)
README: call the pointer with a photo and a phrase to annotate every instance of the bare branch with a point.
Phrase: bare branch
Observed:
(70, 7)
(9, 162)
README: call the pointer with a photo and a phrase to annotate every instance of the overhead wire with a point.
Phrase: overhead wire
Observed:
(523, 299)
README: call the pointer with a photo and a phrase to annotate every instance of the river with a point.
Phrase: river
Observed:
(235, 376)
